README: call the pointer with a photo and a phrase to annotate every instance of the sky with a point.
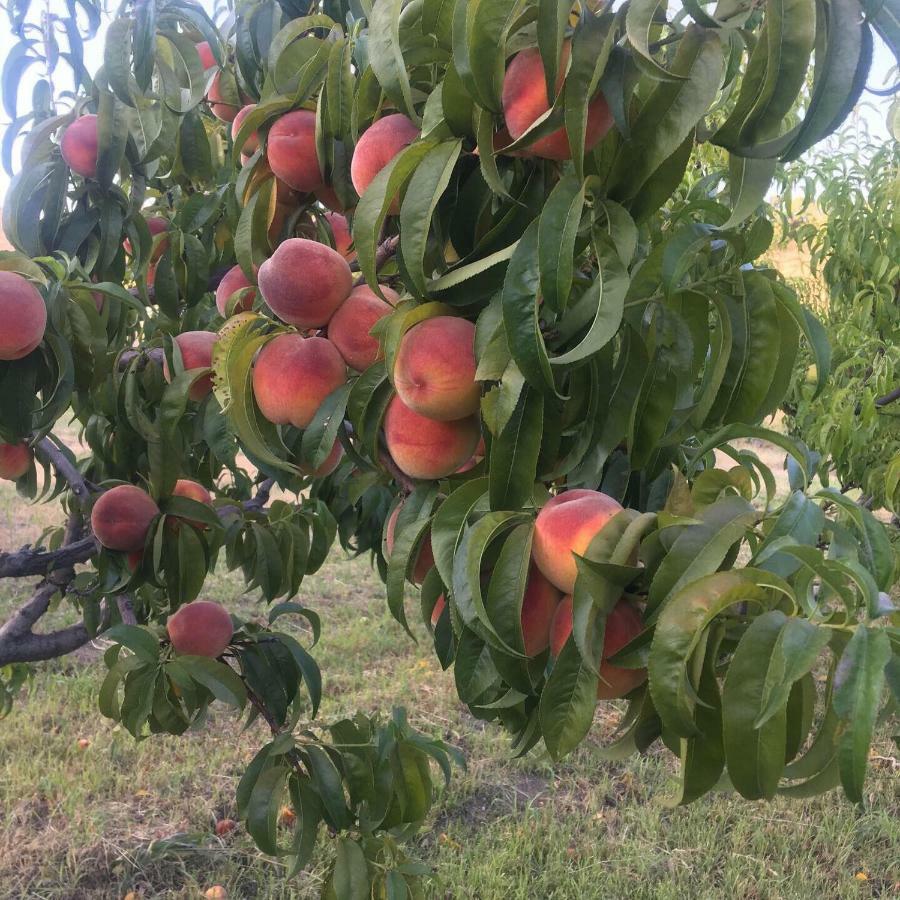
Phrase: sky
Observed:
(870, 115)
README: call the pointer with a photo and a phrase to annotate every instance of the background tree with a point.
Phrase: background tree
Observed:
(525, 402)
(854, 244)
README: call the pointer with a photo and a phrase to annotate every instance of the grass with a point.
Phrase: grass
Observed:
(93, 822)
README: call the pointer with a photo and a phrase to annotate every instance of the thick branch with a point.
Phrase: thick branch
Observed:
(31, 561)
(31, 647)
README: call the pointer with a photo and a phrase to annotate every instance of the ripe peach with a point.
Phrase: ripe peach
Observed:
(377, 146)
(332, 461)
(201, 628)
(122, 516)
(207, 60)
(293, 375)
(623, 624)
(426, 448)
(425, 559)
(15, 460)
(539, 605)
(193, 490)
(304, 282)
(525, 100)
(23, 316)
(566, 525)
(156, 225)
(434, 372)
(350, 327)
(343, 240)
(80, 146)
(196, 353)
(291, 150)
(473, 461)
(222, 107)
(216, 892)
(235, 280)
(438, 610)
(251, 145)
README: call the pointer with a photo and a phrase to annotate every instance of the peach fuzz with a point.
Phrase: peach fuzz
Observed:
(122, 516)
(623, 624)
(251, 145)
(196, 353)
(376, 147)
(524, 100)
(434, 372)
(291, 150)
(235, 280)
(293, 375)
(201, 628)
(343, 240)
(15, 460)
(426, 448)
(539, 605)
(332, 461)
(567, 524)
(425, 557)
(350, 327)
(80, 146)
(23, 316)
(304, 282)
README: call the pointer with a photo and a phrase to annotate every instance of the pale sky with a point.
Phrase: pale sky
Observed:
(870, 114)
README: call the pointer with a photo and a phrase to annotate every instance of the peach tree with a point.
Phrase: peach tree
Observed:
(440, 283)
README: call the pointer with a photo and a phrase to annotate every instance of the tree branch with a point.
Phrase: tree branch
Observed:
(386, 249)
(67, 470)
(405, 482)
(32, 561)
(890, 397)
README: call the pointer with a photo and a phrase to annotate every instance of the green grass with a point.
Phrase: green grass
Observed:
(81, 823)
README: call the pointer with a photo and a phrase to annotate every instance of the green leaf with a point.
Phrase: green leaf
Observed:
(514, 453)
(699, 550)
(858, 684)
(450, 520)
(754, 752)
(639, 19)
(749, 179)
(427, 185)
(263, 806)
(350, 878)
(386, 56)
(795, 653)
(376, 202)
(141, 641)
(520, 317)
(557, 230)
(679, 629)
(224, 683)
(568, 702)
(670, 113)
